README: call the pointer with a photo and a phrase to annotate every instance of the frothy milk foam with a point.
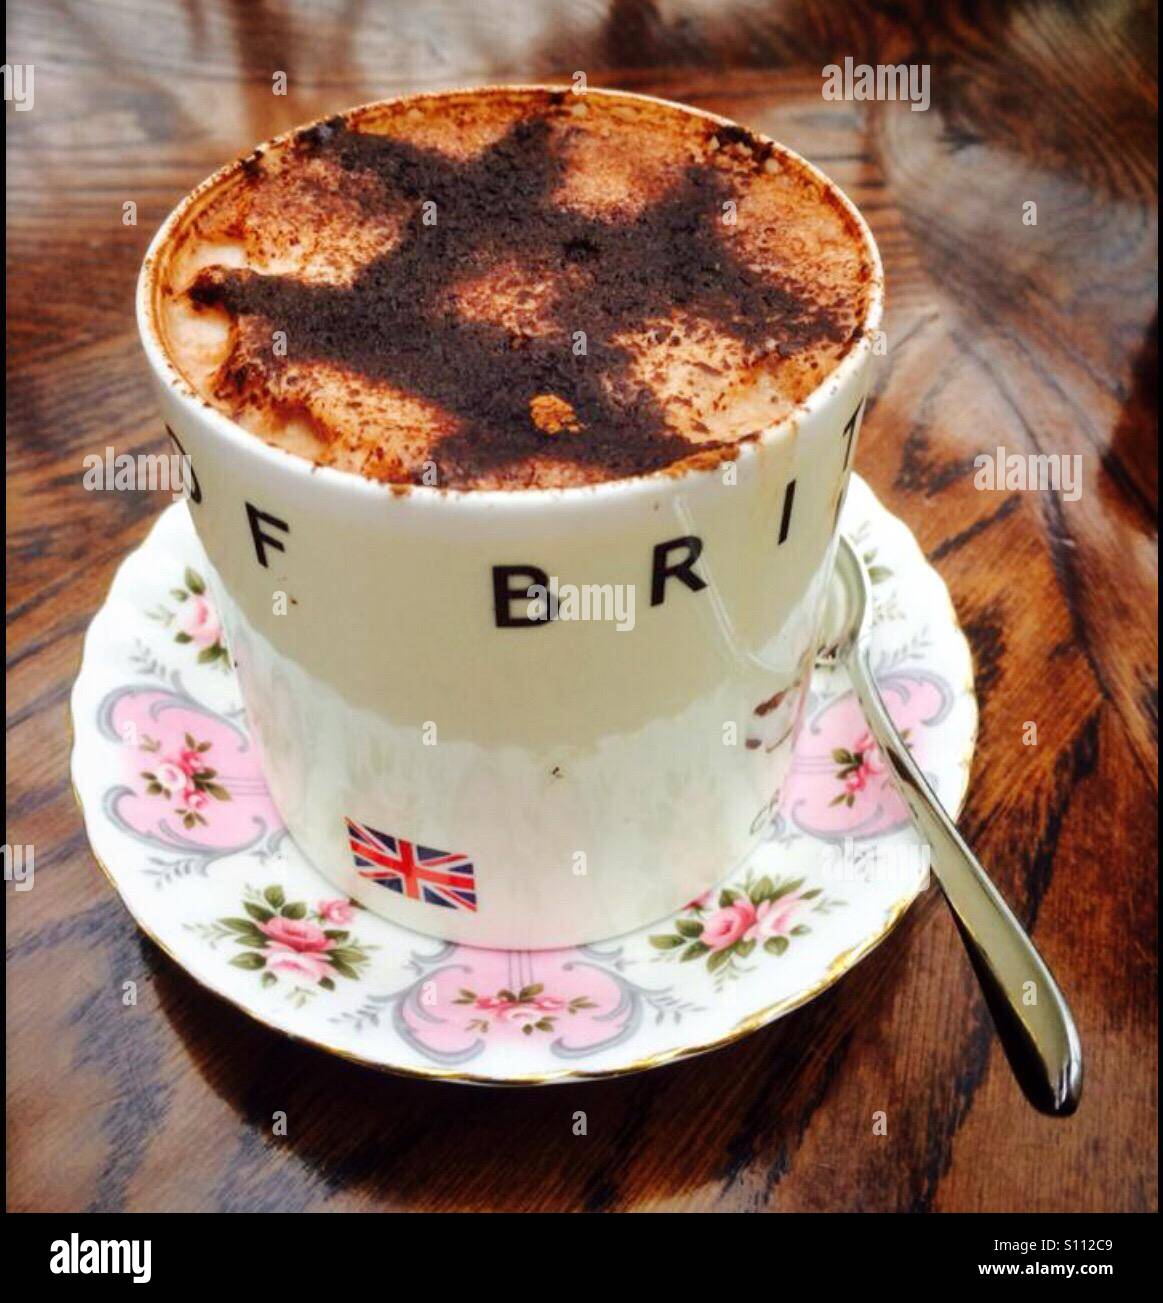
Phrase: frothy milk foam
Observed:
(512, 288)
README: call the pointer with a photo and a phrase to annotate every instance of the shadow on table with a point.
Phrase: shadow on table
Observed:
(358, 1138)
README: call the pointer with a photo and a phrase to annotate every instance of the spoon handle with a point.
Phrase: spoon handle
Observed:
(1031, 1015)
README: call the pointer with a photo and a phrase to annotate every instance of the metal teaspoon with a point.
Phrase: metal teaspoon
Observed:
(1039, 1038)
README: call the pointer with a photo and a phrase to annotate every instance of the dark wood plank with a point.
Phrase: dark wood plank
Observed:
(1036, 338)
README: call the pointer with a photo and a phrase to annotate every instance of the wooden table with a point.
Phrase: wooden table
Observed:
(1036, 338)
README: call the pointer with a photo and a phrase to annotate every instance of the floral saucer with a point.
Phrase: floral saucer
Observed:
(178, 815)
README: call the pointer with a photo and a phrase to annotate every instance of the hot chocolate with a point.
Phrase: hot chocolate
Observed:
(513, 288)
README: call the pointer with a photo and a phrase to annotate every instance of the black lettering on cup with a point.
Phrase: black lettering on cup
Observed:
(194, 489)
(505, 594)
(789, 496)
(262, 541)
(850, 433)
(663, 570)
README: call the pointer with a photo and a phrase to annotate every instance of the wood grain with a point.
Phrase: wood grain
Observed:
(1036, 338)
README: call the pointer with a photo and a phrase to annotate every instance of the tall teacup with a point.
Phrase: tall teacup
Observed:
(522, 716)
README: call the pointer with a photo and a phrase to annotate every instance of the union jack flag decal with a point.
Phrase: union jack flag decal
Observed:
(418, 872)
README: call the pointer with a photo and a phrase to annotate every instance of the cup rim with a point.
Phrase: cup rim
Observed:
(235, 436)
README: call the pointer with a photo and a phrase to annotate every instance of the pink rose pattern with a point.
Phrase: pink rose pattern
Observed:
(336, 911)
(528, 1009)
(192, 786)
(564, 1004)
(859, 766)
(196, 621)
(764, 912)
(285, 940)
(840, 784)
(308, 950)
(185, 779)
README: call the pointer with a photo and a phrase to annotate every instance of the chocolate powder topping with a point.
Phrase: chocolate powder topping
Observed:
(394, 322)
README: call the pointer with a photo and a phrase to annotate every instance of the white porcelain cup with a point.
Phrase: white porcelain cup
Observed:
(484, 777)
